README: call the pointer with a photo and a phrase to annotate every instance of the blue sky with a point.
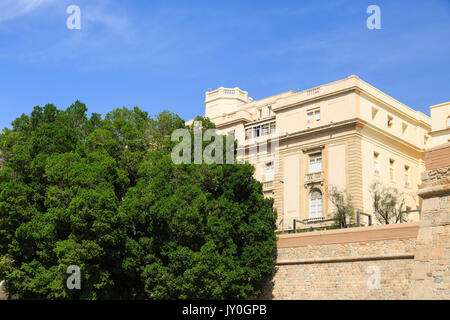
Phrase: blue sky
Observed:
(165, 54)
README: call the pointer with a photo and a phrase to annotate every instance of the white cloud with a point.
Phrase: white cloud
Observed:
(10, 9)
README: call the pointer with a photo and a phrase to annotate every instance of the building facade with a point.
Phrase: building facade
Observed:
(346, 134)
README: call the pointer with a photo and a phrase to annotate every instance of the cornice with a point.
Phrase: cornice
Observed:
(440, 105)
(393, 137)
(314, 98)
(324, 128)
(238, 120)
(396, 110)
(439, 131)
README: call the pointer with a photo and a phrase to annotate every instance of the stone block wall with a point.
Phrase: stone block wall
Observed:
(358, 263)
(409, 261)
(431, 269)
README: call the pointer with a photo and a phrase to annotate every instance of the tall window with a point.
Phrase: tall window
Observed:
(315, 163)
(249, 133)
(310, 117)
(406, 176)
(265, 129)
(272, 127)
(448, 121)
(269, 110)
(260, 113)
(317, 114)
(391, 169)
(269, 171)
(376, 164)
(257, 131)
(315, 204)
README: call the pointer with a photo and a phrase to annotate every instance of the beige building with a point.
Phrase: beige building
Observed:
(440, 123)
(346, 133)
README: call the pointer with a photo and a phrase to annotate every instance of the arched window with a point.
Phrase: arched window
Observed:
(315, 204)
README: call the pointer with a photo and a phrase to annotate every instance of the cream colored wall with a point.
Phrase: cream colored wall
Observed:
(238, 128)
(371, 142)
(440, 130)
(348, 153)
(224, 100)
(440, 138)
(439, 115)
(291, 188)
(334, 155)
(391, 103)
(336, 168)
(415, 131)
(332, 110)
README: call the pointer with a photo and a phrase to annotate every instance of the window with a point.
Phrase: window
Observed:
(406, 176)
(249, 133)
(269, 110)
(389, 121)
(269, 171)
(313, 115)
(315, 204)
(376, 164)
(231, 133)
(272, 127)
(391, 169)
(448, 121)
(425, 140)
(260, 113)
(265, 129)
(315, 163)
(317, 114)
(260, 130)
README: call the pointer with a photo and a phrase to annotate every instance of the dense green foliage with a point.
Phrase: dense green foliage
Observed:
(103, 194)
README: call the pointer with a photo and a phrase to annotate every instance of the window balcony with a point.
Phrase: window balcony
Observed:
(268, 186)
(313, 178)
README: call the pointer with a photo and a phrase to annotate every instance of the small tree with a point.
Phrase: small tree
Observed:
(345, 212)
(388, 203)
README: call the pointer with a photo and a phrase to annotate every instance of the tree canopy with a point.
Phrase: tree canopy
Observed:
(104, 194)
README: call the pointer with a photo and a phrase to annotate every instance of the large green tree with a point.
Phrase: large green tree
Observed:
(104, 194)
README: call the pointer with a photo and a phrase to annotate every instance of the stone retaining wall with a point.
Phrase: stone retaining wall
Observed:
(358, 263)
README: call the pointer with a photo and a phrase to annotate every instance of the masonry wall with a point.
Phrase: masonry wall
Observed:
(359, 263)
(431, 270)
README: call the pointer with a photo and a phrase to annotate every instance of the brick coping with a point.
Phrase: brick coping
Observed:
(361, 234)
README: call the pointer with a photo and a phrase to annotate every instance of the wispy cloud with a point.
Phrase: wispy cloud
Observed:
(10, 9)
